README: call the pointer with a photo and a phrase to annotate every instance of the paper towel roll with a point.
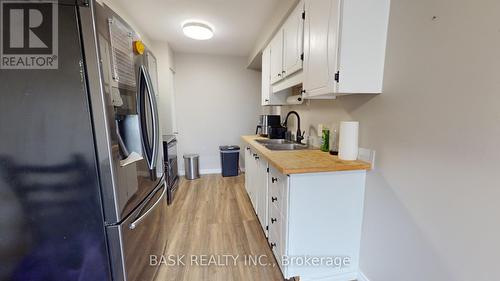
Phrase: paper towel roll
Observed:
(348, 140)
(297, 99)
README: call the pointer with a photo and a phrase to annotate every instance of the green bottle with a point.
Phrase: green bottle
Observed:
(325, 140)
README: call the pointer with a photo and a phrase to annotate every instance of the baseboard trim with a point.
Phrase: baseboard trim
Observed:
(203, 172)
(362, 277)
(349, 276)
(210, 171)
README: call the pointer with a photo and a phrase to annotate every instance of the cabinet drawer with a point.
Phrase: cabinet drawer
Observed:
(278, 193)
(275, 219)
(275, 196)
(276, 246)
(277, 241)
(277, 233)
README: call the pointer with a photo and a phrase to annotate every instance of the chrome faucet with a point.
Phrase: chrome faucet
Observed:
(300, 135)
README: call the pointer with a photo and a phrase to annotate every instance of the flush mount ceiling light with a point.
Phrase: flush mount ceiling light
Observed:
(197, 30)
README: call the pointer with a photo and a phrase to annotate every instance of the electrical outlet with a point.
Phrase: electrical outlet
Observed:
(367, 155)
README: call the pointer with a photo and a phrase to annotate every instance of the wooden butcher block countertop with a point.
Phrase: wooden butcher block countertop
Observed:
(304, 161)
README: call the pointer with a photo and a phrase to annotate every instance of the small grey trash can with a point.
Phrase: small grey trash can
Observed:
(230, 160)
(192, 166)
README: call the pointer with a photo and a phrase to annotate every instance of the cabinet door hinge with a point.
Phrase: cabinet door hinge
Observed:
(268, 170)
(302, 56)
(303, 15)
(337, 76)
(267, 227)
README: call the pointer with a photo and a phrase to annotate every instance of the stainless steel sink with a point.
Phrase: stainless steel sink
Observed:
(273, 141)
(286, 146)
(281, 144)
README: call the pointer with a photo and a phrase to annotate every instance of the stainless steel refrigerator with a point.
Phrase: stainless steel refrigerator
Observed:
(82, 196)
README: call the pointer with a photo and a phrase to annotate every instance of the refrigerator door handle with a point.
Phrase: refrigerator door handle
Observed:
(145, 86)
(141, 100)
(154, 110)
(137, 221)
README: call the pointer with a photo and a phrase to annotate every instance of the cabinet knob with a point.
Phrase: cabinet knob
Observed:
(266, 100)
(274, 199)
(248, 148)
(303, 91)
(273, 220)
(273, 179)
(283, 72)
(279, 74)
(256, 157)
(273, 245)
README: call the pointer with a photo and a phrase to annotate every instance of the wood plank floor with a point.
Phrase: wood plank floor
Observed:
(212, 217)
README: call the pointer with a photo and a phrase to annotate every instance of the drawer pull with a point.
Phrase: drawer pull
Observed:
(273, 179)
(273, 245)
(273, 220)
(274, 199)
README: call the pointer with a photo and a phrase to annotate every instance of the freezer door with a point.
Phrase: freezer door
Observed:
(51, 221)
(124, 151)
(142, 234)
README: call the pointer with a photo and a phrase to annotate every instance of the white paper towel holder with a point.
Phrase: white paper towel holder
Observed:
(295, 99)
(349, 140)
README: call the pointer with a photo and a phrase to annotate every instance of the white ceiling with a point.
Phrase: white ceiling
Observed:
(236, 23)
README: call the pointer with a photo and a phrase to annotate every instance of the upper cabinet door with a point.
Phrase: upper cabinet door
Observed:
(266, 76)
(293, 41)
(362, 46)
(268, 97)
(276, 47)
(321, 33)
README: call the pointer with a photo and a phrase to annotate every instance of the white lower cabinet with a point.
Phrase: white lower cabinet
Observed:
(261, 191)
(250, 169)
(256, 184)
(314, 220)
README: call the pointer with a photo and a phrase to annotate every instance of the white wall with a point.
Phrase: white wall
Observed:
(166, 73)
(432, 204)
(434, 201)
(217, 101)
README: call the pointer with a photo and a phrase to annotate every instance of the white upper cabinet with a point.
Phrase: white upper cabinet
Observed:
(362, 46)
(293, 41)
(276, 50)
(331, 47)
(268, 97)
(321, 35)
(344, 42)
(266, 76)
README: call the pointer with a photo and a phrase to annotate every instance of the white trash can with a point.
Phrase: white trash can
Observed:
(192, 166)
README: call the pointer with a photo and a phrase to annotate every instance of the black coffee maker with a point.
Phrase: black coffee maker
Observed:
(276, 132)
(266, 121)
